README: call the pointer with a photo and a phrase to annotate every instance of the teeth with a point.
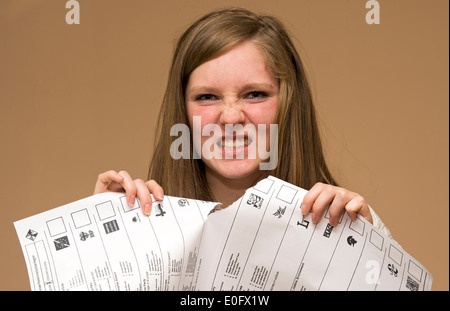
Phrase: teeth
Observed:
(235, 143)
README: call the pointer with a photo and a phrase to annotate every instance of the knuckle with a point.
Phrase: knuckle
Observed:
(151, 183)
(320, 185)
(360, 200)
(343, 194)
(329, 191)
(353, 208)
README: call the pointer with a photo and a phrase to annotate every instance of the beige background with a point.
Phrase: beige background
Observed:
(77, 100)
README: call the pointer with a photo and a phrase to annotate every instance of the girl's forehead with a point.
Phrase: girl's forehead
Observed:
(243, 64)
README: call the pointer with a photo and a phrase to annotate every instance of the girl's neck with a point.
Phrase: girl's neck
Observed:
(229, 190)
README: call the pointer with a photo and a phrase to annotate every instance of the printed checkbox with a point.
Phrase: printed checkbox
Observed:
(286, 194)
(376, 239)
(81, 218)
(105, 210)
(358, 226)
(56, 226)
(415, 270)
(127, 208)
(395, 254)
(264, 185)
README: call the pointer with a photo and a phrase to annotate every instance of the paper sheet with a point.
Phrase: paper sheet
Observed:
(101, 243)
(261, 242)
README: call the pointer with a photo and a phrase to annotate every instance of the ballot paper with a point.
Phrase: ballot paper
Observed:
(261, 242)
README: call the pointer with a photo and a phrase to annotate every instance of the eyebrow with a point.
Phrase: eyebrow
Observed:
(208, 89)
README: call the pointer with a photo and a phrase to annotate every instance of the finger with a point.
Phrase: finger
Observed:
(115, 187)
(104, 179)
(310, 197)
(155, 189)
(143, 194)
(338, 205)
(357, 206)
(129, 186)
(321, 204)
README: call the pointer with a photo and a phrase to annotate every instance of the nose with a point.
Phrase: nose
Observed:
(232, 112)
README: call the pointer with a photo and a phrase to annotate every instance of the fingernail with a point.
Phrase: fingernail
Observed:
(147, 209)
(314, 218)
(303, 207)
(159, 197)
(132, 200)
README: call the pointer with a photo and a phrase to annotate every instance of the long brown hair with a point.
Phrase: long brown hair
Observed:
(300, 156)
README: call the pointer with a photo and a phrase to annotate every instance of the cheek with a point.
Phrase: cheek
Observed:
(263, 114)
(266, 115)
(203, 115)
(207, 114)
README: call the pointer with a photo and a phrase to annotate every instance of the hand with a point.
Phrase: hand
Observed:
(122, 182)
(321, 195)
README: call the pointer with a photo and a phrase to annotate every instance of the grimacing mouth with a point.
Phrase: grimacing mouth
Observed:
(234, 142)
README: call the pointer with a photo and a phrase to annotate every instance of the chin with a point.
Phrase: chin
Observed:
(235, 169)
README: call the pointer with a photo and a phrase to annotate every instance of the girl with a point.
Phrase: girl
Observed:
(234, 67)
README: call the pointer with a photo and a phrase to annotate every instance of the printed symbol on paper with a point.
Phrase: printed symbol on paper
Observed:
(183, 202)
(161, 211)
(31, 235)
(255, 200)
(111, 226)
(61, 243)
(304, 223)
(411, 284)
(328, 230)
(280, 212)
(351, 241)
(85, 235)
(393, 270)
(136, 218)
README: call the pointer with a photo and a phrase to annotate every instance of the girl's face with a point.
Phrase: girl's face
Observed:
(234, 90)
